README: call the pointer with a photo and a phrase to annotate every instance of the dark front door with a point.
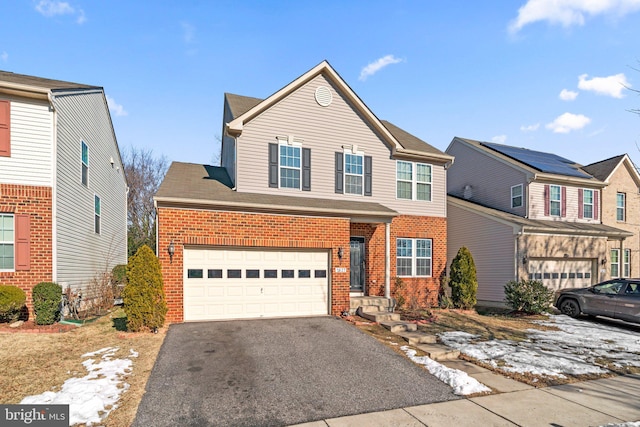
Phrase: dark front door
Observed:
(357, 264)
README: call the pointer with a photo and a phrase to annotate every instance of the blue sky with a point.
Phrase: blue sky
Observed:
(547, 75)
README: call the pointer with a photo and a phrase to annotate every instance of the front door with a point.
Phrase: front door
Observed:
(357, 264)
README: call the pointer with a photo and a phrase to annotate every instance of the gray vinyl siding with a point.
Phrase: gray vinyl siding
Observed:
(81, 253)
(492, 245)
(325, 130)
(31, 144)
(228, 151)
(490, 180)
(536, 203)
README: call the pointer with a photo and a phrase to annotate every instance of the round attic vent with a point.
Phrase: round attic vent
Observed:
(323, 96)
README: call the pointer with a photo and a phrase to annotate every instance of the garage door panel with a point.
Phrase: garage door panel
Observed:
(561, 273)
(254, 283)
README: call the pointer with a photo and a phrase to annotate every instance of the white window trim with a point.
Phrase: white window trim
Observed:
(352, 152)
(617, 264)
(13, 242)
(289, 143)
(592, 204)
(82, 163)
(559, 201)
(514, 197)
(414, 181)
(414, 257)
(623, 207)
(626, 263)
(97, 215)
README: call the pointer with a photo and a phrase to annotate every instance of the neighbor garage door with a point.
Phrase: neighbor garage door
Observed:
(560, 273)
(244, 283)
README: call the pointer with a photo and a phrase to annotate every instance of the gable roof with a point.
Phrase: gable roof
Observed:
(605, 168)
(18, 83)
(526, 225)
(244, 109)
(209, 187)
(539, 164)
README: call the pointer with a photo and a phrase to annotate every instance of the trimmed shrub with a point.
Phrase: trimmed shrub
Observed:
(143, 295)
(47, 299)
(12, 300)
(528, 296)
(463, 280)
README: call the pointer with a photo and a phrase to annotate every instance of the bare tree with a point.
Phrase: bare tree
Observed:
(144, 173)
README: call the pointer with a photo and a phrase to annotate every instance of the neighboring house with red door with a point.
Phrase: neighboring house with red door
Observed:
(620, 209)
(317, 203)
(63, 204)
(527, 214)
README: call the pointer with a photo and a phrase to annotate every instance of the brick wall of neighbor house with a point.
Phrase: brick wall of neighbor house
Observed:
(193, 227)
(35, 201)
(422, 291)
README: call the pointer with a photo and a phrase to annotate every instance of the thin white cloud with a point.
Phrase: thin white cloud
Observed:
(568, 122)
(188, 32)
(377, 65)
(568, 95)
(4, 56)
(115, 108)
(50, 8)
(569, 12)
(499, 139)
(609, 86)
(530, 128)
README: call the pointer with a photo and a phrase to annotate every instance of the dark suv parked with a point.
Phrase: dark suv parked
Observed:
(616, 298)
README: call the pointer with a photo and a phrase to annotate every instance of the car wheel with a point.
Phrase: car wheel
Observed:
(570, 307)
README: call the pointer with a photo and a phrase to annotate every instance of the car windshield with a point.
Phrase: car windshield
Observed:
(608, 288)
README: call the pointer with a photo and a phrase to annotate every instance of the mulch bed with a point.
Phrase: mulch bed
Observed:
(31, 328)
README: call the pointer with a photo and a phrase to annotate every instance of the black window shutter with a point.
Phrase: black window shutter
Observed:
(367, 175)
(273, 165)
(306, 169)
(339, 173)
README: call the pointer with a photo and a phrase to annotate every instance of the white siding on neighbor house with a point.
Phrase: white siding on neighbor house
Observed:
(81, 253)
(489, 180)
(492, 245)
(536, 203)
(325, 130)
(30, 162)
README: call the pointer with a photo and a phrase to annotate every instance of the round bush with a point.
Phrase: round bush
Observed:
(47, 298)
(12, 300)
(528, 296)
(119, 274)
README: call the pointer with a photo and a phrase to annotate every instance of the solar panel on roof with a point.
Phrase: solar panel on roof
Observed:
(544, 162)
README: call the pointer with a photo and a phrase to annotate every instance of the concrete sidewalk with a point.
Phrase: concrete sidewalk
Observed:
(611, 401)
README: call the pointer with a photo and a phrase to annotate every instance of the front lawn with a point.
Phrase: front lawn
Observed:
(33, 363)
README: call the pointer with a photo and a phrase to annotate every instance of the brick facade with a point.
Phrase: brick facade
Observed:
(192, 228)
(37, 203)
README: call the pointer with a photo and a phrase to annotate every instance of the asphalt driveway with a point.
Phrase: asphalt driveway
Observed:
(278, 372)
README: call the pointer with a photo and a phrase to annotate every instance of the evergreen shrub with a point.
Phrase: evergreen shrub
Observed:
(463, 280)
(528, 296)
(47, 301)
(12, 300)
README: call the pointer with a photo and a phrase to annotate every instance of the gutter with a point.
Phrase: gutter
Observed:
(54, 189)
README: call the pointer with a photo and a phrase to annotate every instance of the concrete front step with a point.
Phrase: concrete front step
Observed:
(417, 338)
(378, 316)
(439, 351)
(384, 304)
(398, 327)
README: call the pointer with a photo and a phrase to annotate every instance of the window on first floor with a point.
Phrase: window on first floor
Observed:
(97, 212)
(413, 257)
(615, 262)
(626, 263)
(7, 242)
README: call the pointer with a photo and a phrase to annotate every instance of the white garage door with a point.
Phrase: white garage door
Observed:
(244, 283)
(560, 273)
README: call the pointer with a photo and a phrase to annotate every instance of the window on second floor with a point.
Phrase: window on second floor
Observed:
(289, 166)
(620, 207)
(413, 181)
(516, 196)
(5, 128)
(587, 203)
(353, 173)
(555, 200)
(85, 164)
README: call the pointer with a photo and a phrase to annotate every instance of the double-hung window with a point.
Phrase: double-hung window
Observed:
(85, 164)
(290, 166)
(587, 203)
(615, 262)
(620, 206)
(97, 213)
(516, 196)
(353, 173)
(413, 181)
(413, 257)
(626, 263)
(555, 200)
(7, 242)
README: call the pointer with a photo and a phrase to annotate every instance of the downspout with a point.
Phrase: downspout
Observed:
(387, 260)
(54, 191)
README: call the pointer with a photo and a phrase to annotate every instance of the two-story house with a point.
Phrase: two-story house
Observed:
(63, 203)
(316, 201)
(526, 214)
(620, 209)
